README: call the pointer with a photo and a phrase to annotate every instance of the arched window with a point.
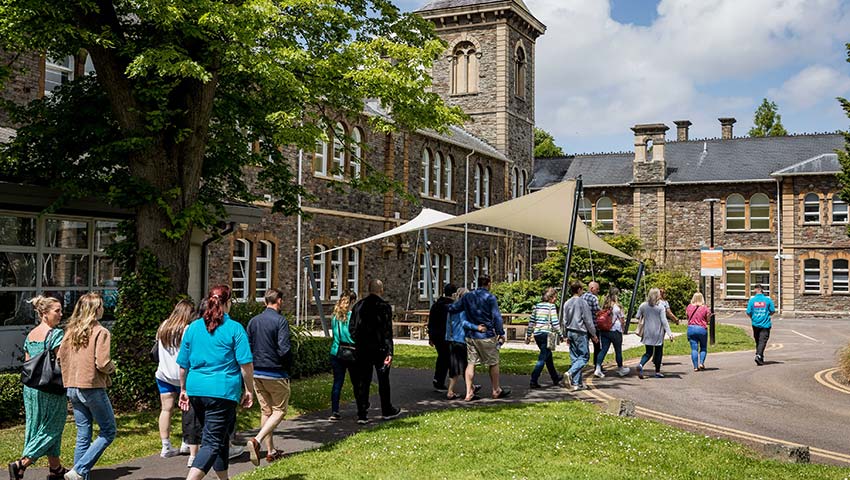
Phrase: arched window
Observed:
(356, 152)
(478, 174)
(736, 216)
(736, 279)
(759, 212)
(839, 210)
(320, 155)
(426, 171)
(319, 272)
(513, 182)
(352, 274)
(240, 269)
(520, 69)
(338, 166)
(585, 211)
(447, 177)
(57, 72)
(760, 274)
(336, 274)
(811, 209)
(523, 186)
(840, 279)
(486, 187)
(464, 68)
(437, 175)
(263, 268)
(605, 215)
(811, 275)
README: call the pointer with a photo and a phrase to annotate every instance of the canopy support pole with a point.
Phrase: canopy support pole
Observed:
(634, 297)
(570, 243)
(428, 273)
(316, 296)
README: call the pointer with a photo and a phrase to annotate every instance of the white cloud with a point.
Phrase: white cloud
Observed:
(811, 86)
(596, 77)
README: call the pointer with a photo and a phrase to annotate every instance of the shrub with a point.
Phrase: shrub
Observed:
(844, 362)
(310, 355)
(519, 296)
(680, 288)
(243, 312)
(11, 398)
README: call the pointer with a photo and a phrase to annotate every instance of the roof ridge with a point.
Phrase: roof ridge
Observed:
(747, 137)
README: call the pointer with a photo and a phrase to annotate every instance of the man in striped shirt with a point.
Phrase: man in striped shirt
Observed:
(592, 299)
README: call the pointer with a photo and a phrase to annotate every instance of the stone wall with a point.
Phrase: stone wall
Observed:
(25, 83)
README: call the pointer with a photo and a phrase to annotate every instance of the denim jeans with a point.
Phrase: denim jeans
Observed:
(606, 339)
(339, 369)
(579, 355)
(218, 416)
(656, 352)
(698, 338)
(91, 404)
(545, 358)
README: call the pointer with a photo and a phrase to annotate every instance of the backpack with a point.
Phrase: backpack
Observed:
(604, 320)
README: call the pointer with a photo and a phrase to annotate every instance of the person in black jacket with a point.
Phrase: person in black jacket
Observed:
(437, 335)
(371, 328)
(269, 337)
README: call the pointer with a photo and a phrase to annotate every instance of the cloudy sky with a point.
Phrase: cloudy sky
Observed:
(604, 66)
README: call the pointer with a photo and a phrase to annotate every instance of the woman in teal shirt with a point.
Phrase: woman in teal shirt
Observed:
(215, 358)
(339, 326)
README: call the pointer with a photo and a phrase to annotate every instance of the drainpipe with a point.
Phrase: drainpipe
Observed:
(298, 245)
(205, 256)
(466, 225)
(779, 244)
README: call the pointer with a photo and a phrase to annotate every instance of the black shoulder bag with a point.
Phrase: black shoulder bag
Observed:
(43, 372)
(346, 352)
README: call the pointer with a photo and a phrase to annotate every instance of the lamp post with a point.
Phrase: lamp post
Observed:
(711, 202)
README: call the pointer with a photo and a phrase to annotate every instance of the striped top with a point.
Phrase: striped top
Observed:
(544, 319)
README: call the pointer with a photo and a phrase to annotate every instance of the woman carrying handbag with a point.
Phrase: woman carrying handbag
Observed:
(45, 411)
(342, 349)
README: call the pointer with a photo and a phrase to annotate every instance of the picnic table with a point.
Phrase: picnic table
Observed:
(414, 323)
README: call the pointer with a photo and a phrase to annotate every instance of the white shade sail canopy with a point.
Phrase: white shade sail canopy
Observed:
(546, 213)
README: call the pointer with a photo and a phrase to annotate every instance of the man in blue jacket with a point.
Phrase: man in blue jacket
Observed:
(269, 337)
(759, 310)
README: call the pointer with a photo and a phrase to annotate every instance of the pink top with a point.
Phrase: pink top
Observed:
(698, 315)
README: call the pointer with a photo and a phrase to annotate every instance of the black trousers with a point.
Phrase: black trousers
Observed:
(364, 366)
(595, 349)
(656, 352)
(441, 369)
(761, 335)
(218, 416)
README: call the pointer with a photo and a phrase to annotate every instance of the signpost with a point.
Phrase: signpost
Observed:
(713, 262)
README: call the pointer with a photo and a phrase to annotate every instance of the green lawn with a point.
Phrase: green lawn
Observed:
(547, 440)
(138, 433)
(729, 339)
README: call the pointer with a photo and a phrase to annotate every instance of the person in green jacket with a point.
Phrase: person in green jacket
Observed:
(339, 327)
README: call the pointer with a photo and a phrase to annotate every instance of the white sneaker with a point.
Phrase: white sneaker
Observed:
(73, 475)
(623, 371)
(191, 461)
(168, 451)
(576, 388)
(598, 373)
(235, 451)
(184, 448)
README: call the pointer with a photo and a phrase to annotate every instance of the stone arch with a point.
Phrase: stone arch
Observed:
(520, 69)
(464, 58)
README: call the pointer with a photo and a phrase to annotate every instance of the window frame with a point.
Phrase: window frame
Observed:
(268, 260)
(426, 172)
(352, 272)
(601, 221)
(738, 218)
(520, 72)
(437, 172)
(486, 185)
(50, 66)
(319, 260)
(837, 200)
(320, 154)
(751, 218)
(751, 272)
(479, 173)
(808, 203)
(513, 180)
(356, 160)
(245, 265)
(447, 177)
(585, 205)
(806, 271)
(744, 277)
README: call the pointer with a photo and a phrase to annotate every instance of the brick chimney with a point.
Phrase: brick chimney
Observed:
(649, 164)
(726, 127)
(682, 130)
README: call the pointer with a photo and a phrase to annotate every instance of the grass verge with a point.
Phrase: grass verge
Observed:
(520, 362)
(546, 440)
(138, 433)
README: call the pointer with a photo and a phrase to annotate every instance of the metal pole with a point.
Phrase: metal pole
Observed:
(711, 320)
(634, 297)
(570, 243)
(298, 243)
(466, 225)
(428, 280)
(316, 297)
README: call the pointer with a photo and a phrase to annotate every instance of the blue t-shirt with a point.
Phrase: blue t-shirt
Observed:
(760, 308)
(213, 359)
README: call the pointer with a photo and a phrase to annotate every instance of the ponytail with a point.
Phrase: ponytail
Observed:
(216, 302)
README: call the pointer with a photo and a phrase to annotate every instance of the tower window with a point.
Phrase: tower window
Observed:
(521, 71)
(464, 68)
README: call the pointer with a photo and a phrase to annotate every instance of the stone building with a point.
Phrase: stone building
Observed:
(778, 215)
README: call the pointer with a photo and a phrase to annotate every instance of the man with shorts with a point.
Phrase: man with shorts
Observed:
(483, 344)
(268, 335)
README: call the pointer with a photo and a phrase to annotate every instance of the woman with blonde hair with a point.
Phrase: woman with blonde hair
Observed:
(341, 340)
(86, 366)
(168, 338)
(654, 315)
(45, 411)
(698, 315)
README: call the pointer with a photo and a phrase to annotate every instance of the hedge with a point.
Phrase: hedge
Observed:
(11, 398)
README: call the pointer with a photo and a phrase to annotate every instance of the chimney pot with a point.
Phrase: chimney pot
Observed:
(726, 127)
(682, 130)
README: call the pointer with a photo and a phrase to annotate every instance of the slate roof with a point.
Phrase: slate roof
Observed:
(742, 159)
(455, 135)
(440, 4)
(549, 170)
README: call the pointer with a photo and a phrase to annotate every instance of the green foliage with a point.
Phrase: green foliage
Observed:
(243, 312)
(519, 296)
(844, 155)
(544, 145)
(679, 287)
(310, 356)
(609, 271)
(767, 122)
(11, 398)
(143, 303)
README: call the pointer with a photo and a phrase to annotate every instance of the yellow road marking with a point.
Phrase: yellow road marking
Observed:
(824, 377)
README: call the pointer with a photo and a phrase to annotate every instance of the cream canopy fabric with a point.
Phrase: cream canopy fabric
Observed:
(545, 213)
